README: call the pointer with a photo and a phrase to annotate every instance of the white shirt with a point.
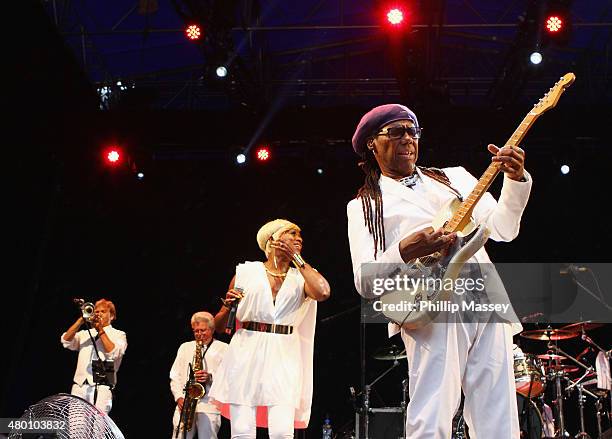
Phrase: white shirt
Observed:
(179, 373)
(82, 343)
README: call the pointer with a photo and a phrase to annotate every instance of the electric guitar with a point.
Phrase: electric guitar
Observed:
(456, 216)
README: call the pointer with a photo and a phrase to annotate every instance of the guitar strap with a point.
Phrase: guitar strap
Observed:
(439, 175)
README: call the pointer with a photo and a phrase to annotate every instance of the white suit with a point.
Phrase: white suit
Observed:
(208, 417)
(84, 385)
(445, 357)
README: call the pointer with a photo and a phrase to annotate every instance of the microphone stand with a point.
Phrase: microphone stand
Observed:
(588, 291)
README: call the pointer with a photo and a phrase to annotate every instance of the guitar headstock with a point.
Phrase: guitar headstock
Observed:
(551, 98)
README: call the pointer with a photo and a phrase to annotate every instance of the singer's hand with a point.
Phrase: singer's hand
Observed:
(180, 402)
(232, 295)
(287, 248)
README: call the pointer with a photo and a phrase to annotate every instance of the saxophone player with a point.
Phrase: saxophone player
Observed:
(207, 418)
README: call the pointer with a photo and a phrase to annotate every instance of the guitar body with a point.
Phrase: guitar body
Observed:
(455, 216)
(445, 267)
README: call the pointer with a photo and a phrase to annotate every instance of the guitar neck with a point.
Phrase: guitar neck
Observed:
(462, 215)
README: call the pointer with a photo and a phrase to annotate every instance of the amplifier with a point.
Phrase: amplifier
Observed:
(384, 423)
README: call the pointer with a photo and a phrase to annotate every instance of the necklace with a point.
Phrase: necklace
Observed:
(271, 273)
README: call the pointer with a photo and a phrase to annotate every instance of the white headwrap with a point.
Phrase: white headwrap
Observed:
(273, 229)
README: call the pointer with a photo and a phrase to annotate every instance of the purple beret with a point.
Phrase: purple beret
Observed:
(377, 118)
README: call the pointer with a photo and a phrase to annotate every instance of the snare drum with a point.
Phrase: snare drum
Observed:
(529, 372)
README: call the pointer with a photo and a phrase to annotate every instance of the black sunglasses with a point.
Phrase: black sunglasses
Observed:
(398, 132)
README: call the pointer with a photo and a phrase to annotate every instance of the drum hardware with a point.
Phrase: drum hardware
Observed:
(549, 334)
(587, 325)
(552, 357)
(404, 404)
(529, 375)
(388, 353)
(558, 375)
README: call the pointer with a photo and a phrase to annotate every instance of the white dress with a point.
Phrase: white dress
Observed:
(265, 369)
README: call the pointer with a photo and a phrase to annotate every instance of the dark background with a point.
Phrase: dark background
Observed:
(167, 246)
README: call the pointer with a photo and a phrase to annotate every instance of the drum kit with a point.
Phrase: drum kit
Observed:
(554, 373)
(564, 374)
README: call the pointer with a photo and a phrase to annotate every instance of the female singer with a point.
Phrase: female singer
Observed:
(265, 378)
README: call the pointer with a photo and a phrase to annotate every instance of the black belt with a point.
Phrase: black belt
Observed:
(267, 327)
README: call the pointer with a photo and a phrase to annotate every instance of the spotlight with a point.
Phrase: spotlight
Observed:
(554, 23)
(140, 175)
(565, 169)
(240, 159)
(112, 155)
(535, 58)
(395, 16)
(221, 71)
(193, 32)
(263, 153)
(319, 171)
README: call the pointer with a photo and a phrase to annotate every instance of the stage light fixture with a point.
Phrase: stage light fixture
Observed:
(535, 58)
(395, 16)
(565, 169)
(263, 153)
(320, 171)
(140, 175)
(554, 23)
(240, 159)
(113, 155)
(221, 71)
(193, 32)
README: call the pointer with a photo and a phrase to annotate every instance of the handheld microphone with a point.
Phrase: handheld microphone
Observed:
(231, 319)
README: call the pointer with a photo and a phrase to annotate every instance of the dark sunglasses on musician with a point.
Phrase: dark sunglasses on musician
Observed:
(398, 132)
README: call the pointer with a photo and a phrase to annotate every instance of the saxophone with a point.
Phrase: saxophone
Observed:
(194, 390)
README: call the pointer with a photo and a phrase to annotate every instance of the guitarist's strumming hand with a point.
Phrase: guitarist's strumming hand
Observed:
(425, 242)
(512, 159)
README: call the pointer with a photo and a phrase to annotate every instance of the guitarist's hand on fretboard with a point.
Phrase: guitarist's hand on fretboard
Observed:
(512, 160)
(425, 242)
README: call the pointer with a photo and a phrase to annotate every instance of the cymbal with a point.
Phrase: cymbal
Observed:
(549, 334)
(579, 326)
(551, 357)
(569, 368)
(390, 353)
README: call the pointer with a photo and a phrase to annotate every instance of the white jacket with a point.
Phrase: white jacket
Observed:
(82, 343)
(407, 210)
(179, 373)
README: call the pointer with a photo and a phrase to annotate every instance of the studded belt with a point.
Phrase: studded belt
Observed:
(268, 327)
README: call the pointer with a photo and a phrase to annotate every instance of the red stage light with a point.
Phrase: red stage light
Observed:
(263, 154)
(395, 16)
(112, 155)
(554, 24)
(193, 32)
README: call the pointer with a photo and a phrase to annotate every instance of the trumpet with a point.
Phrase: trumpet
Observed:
(87, 310)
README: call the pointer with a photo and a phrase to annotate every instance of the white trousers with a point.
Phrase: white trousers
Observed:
(244, 426)
(443, 358)
(104, 401)
(206, 424)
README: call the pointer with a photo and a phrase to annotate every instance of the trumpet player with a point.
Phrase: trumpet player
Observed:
(204, 360)
(110, 346)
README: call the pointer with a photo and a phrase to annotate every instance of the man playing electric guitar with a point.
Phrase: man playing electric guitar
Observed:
(389, 222)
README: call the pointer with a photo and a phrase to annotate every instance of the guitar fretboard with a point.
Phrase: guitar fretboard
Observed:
(465, 209)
